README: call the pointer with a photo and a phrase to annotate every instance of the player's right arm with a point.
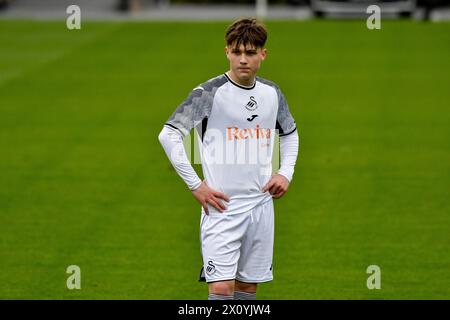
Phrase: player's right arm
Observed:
(172, 142)
(185, 117)
(205, 195)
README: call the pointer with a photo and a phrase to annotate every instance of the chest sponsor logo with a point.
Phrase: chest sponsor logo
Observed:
(236, 133)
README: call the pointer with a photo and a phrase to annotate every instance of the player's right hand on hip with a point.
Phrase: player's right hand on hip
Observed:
(205, 195)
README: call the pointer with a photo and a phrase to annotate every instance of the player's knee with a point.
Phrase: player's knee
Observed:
(245, 287)
(225, 288)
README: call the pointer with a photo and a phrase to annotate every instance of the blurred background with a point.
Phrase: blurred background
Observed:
(228, 9)
(84, 180)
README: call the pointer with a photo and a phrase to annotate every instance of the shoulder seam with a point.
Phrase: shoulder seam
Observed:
(268, 82)
(208, 85)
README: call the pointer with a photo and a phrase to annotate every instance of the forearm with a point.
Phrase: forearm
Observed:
(172, 142)
(289, 145)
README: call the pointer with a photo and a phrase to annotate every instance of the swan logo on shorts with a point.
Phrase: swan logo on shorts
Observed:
(211, 268)
(252, 104)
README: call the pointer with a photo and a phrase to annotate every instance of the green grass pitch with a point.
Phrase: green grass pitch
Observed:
(84, 180)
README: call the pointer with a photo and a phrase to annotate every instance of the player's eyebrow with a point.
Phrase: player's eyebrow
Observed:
(237, 50)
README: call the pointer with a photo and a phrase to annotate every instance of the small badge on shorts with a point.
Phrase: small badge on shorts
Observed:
(211, 268)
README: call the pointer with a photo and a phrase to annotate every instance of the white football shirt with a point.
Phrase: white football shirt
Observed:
(236, 127)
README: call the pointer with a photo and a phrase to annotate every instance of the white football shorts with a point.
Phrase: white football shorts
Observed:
(238, 246)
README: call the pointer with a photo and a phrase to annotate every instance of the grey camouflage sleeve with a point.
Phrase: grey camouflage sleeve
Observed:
(189, 112)
(285, 122)
(197, 106)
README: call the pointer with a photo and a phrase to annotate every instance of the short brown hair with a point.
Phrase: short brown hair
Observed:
(246, 31)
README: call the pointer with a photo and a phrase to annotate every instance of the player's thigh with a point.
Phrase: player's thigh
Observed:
(255, 263)
(221, 241)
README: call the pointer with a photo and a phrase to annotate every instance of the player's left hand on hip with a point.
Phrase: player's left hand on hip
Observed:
(277, 186)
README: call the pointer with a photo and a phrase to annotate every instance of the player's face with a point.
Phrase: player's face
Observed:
(245, 61)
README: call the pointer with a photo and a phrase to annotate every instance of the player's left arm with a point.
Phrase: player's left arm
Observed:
(289, 141)
(279, 182)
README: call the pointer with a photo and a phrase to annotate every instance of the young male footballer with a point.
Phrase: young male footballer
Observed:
(235, 116)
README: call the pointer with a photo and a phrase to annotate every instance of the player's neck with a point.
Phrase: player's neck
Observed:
(245, 83)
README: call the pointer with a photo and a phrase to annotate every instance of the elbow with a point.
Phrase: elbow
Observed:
(168, 136)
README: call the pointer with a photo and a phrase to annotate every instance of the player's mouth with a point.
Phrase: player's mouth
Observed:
(244, 69)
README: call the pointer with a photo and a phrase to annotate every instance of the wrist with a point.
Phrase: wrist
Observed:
(287, 175)
(196, 185)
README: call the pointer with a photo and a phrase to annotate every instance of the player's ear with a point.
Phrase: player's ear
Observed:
(264, 53)
(227, 52)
